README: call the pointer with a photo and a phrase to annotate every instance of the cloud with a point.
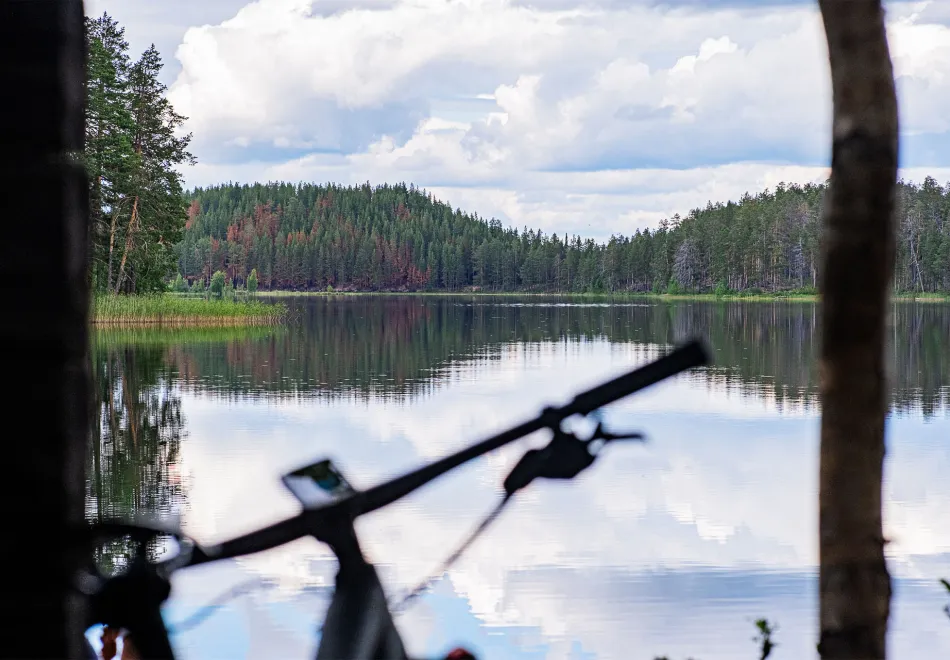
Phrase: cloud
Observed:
(573, 89)
(727, 498)
(162, 23)
(564, 115)
(545, 114)
(723, 522)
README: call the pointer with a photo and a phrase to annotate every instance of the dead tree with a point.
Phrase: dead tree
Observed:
(858, 266)
(44, 288)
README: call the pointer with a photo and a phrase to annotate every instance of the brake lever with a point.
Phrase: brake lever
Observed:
(564, 457)
(607, 436)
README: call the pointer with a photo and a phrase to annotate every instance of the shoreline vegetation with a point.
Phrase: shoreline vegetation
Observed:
(778, 296)
(179, 311)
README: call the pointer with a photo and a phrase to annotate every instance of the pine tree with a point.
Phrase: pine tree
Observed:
(136, 196)
(109, 153)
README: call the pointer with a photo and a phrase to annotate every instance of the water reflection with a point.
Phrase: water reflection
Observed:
(133, 462)
(671, 548)
(400, 346)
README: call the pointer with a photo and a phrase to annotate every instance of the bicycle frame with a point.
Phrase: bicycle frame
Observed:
(359, 624)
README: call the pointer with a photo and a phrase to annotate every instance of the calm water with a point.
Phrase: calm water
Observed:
(674, 547)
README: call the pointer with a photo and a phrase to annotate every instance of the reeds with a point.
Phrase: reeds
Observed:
(172, 311)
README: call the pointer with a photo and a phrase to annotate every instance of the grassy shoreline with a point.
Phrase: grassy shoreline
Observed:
(176, 311)
(695, 297)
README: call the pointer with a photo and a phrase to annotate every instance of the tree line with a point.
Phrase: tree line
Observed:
(400, 238)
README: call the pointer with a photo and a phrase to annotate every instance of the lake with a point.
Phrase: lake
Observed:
(673, 547)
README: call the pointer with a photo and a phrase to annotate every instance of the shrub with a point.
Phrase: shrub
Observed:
(179, 284)
(252, 281)
(216, 288)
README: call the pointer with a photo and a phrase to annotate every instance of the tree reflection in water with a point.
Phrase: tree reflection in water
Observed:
(133, 463)
(398, 347)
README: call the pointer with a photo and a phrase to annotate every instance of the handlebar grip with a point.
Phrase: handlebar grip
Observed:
(692, 354)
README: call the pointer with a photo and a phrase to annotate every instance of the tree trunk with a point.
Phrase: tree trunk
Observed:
(129, 244)
(113, 227)
(44, 265)
(859, 245)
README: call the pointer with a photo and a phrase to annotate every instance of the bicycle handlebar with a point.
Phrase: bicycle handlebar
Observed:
(692, 354)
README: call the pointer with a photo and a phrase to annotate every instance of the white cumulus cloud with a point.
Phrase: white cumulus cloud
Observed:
(576, 116)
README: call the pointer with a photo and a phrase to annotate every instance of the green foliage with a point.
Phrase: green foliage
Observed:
(252, 281)
(673, 289)
(132, 149)
(722, 289)
(399, 238)
(764, 637)
(216, 287)
(229, 289)
(155, 308)
(198, 286)
(179, 285)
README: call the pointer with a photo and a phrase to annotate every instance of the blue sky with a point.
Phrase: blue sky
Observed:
(565, 115)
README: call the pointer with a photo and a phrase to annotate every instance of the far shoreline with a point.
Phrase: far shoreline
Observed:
(646, 296)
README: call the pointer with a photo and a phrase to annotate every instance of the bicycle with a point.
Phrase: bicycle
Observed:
(359, 623)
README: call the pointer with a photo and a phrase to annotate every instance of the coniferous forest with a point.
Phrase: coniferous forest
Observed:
(397, 237)
(148, 231)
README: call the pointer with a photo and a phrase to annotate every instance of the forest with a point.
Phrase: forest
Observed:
(399, 238)
(147, 231)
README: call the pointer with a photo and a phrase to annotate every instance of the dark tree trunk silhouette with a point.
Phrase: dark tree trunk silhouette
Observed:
(855, 282)
(44, 285)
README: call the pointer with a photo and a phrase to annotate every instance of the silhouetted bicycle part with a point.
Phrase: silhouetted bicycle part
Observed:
(359, 622)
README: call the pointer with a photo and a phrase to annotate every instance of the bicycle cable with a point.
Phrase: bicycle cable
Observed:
(420, 588)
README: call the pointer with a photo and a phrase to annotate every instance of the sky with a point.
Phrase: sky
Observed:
(582, 116)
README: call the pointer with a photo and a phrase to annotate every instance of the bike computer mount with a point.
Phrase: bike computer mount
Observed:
(318, 484)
